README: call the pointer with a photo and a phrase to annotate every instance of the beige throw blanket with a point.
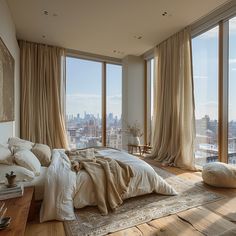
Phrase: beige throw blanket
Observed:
(110, 178)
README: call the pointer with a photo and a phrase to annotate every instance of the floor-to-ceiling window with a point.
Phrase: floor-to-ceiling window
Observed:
(83, 102)
(214, 72)
(85, 93)
(113, 105)
(232, 93)
(205, 76)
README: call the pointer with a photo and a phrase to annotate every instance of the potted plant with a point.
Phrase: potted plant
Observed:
(11, 178)
(135, 132)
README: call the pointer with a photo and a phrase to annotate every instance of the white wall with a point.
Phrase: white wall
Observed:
(8, 35)
(133, 93)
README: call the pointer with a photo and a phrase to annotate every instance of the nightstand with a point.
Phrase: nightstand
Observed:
(18, 209)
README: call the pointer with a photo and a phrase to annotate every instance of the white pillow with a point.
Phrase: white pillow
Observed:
(22, 174)
(219, 174)
(43, 153)
(28, 160)
(5, 155)
(17, 144)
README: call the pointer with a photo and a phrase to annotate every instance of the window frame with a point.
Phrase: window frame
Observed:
(223, 77)
(104, 63)
(221, 17)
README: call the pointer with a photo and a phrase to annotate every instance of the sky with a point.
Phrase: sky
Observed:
(84, 79)
(205, 72)
(84, 87)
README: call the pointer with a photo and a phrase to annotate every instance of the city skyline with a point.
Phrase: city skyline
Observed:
(86, 131)
(87, 113)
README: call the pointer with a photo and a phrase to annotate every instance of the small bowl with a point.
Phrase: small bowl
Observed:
(5, 222)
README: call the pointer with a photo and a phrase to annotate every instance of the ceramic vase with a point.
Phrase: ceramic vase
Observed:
(136, 141)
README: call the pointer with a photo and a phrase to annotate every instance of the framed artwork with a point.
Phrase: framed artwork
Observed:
(6, 84)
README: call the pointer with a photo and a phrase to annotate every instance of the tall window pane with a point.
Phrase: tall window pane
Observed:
(150, 89)
(205, 74)
(232, 92)
(114, 105)
(83, 102)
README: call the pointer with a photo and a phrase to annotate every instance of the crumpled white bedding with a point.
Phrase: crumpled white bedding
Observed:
(59, 190)
(65, 190)
(145, 180)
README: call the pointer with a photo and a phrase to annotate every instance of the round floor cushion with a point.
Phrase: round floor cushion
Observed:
(219, 174)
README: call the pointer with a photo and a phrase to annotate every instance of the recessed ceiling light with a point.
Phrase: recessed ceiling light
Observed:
(138, 37)
(45, 12)
(118, 52)
(164, 13)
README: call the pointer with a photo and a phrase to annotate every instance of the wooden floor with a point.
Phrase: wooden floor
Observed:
(212, 219)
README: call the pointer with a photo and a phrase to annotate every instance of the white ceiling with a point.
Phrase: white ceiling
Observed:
(102, 26)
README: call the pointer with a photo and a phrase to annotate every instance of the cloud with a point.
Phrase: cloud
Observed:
(200, 76)
(232, 61)
(213, 33)
(82, 96)
(114, 98)
(207, 108)
(92, 103)
(232, 25)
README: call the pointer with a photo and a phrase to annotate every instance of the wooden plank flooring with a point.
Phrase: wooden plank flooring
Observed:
(211, 219)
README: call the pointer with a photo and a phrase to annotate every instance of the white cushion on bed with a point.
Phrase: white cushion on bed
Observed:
(17, 143)
(28, 160)
(22, 174)
(5, 155)
(219, 174)
(43, 153)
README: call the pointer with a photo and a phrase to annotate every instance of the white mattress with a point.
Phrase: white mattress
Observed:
(37, 182)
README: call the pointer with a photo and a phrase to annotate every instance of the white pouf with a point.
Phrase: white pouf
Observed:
(219, 174)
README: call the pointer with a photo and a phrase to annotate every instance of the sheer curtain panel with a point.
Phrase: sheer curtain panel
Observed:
(42, 94)
(174, 121)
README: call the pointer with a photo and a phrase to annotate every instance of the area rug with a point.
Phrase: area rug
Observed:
(138, 210)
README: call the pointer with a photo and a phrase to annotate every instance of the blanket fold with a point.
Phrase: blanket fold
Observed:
(110, 178)
(59, 190)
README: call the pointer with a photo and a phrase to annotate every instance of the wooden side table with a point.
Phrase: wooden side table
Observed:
(142, 149)
(131, 148)
(18, 210)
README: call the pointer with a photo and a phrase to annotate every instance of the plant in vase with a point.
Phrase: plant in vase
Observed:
(11, 178)
(135, 132)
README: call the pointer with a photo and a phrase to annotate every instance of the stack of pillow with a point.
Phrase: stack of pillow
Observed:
(25, 154)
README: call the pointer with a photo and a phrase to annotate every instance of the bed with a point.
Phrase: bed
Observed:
(66, 190)
(145, 180)
(62, 189)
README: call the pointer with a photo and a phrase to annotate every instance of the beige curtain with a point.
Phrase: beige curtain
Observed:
(174, 121)
(42, 91)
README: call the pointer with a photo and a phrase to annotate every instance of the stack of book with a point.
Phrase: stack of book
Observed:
(6, 193)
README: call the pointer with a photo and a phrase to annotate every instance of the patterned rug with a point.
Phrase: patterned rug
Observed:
(138, 210)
